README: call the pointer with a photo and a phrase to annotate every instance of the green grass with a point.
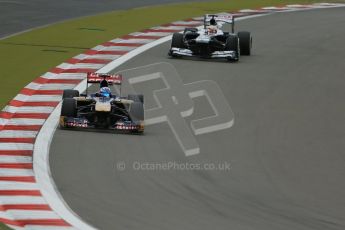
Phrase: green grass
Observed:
(4, 227)
(25, 57)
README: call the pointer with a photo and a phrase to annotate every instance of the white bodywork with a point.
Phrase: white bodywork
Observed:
(205, 36)
(103, 106)
(216, 54)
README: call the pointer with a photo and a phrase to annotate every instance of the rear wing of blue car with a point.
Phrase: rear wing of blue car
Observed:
(115, 79)
(111, 79)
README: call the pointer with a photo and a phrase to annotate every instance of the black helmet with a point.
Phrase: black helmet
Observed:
(213, 22)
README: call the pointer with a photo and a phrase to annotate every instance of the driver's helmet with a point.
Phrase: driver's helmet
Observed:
(213, 22)
(105, 92)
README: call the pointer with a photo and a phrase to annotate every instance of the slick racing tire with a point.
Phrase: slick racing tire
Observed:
(232, 44)
(177, 41)
(136, 111)
(136, 98)
(190, 29)
(69, 107)
(70, 93)
(245, 42)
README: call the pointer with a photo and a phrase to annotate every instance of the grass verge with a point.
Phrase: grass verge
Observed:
(25, 57)
(4, 227)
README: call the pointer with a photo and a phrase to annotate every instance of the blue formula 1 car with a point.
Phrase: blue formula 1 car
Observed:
(102, 110)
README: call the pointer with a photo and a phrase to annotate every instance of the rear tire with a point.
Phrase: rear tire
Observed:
(245, 42)
(70, 93)
(136, 98)
(136, 111)
(69, 107)
(232, 44)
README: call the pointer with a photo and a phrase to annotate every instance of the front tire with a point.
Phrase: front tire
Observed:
(136, 111)
(70, 93)
(245, 42)
(177, 41)
(69, 107)
(136, 98)
(232, 44)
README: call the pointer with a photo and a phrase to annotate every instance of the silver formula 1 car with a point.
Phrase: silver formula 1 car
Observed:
(210, 41)
(102, 110)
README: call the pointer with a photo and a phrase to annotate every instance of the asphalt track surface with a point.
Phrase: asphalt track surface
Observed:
(286, 147)
(21, 15)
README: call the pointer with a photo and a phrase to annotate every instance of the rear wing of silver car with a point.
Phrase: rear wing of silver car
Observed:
(223, 18)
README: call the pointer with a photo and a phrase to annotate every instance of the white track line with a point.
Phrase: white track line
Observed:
(131, 41)
(36, 86)
(35, 98)
(186, 23)
(22, 200)
(104, 56)
(113, 48)
(6, 185)
(80, 66)
(16, 146)
(21, 121)
(15, 159)
(28, 215)
(67, 76)
(160, 34)
(16, 172)
(17, 133)
(172, 27)
(28, 109)
(40, 227)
